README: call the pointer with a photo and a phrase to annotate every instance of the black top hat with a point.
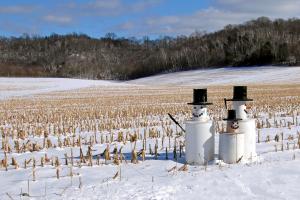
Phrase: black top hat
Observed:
(200, 97)
(232, 116)
(239, 94)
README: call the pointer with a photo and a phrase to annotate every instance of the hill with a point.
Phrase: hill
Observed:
(257, 42)
(16, 87)
(225, 76)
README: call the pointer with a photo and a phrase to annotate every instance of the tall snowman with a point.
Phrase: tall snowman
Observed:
(246, 125)
(200, 132)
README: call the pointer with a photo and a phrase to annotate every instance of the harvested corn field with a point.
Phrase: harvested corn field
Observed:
(117, 142)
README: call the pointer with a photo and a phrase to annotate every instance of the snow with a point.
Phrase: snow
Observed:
(225, 76)
(275, 176)
(14, 87)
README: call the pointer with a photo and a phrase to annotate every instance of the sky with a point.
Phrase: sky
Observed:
(135, 18)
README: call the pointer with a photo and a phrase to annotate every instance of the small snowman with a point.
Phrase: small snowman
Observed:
(232, 122)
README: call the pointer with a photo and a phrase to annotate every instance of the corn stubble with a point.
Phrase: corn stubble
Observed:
(95, 124)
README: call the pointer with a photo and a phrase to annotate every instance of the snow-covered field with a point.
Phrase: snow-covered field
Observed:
(275, 176)
(14, 87)
(226, 76)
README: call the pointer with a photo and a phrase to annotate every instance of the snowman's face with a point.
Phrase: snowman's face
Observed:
(234, 125)
(199, 111)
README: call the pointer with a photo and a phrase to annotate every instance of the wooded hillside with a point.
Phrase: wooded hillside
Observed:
(257, 42)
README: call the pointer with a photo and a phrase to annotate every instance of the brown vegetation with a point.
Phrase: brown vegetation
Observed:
(108, 114)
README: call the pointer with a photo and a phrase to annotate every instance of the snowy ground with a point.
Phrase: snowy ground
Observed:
(275, 176)
(226, 76)
(14, 87)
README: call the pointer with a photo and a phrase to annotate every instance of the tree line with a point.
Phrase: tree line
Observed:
(256, 42)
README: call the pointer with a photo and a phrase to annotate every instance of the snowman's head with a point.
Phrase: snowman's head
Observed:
(234, 125)
(199, 111)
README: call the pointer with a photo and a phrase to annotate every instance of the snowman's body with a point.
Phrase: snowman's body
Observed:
(247, 127)
(200, 137)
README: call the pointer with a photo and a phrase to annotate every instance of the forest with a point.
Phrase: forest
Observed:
(254, 43)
